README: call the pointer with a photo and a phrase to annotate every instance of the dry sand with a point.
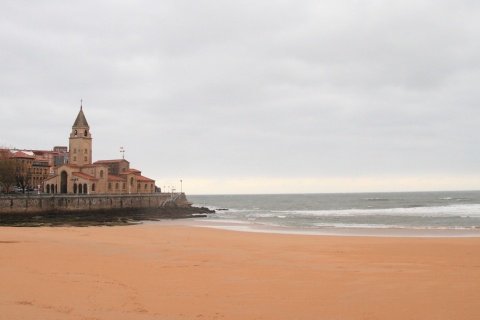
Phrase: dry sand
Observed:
(185, 272)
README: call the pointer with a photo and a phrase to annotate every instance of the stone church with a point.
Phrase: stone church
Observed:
(81, 176)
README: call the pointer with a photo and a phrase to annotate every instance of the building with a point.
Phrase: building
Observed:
(81, 176)
(32, 167)
(60, 155)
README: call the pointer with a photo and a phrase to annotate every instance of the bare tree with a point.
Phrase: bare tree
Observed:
(23, 173)
(7, 170)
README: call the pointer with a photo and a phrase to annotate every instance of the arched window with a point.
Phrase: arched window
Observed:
(75, 188)
(48, 188)
(85, 133)
(145, 187)
(109, 186)
(85, 190)
(116, 186)
(75, 133)
(80, 189)
(101, 173)
(123, 186)
(131, 181)
(93, 187)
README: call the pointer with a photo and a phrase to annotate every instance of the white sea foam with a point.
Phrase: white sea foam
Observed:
(468, 210)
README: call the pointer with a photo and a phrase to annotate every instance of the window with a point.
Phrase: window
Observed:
(109, 186)
(75, 133)
(85, 159)
(101, 173)
(93, 187)
(85, 133)
(116, 186)
(145, 187)
(123, 187)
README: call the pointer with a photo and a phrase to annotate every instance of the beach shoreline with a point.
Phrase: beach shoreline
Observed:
(173, 270)
(243, 226)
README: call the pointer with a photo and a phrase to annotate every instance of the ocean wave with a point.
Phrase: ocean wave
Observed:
(470, 210)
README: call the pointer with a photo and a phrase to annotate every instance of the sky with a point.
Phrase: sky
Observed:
(252, 96)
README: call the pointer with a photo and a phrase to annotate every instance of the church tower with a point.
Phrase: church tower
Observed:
(80, 146)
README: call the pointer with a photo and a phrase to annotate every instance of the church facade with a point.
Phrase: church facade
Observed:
(83, 176)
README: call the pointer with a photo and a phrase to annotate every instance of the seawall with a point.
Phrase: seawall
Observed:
(70, 203)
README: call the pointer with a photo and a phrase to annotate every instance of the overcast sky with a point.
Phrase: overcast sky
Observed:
(253, 96)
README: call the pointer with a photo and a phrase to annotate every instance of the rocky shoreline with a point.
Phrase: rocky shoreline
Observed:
(113, 217)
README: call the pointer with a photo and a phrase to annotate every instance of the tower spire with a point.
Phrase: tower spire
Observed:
(81, 102)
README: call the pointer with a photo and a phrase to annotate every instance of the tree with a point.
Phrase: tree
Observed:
(23, 169)
(7, 170)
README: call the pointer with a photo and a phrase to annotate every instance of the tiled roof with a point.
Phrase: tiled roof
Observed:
(20, 154)
(144, 179)
(115, 178)
(84, 176)
(111, 161)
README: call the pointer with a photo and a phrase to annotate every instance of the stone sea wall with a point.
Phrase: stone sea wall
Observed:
(63, 202)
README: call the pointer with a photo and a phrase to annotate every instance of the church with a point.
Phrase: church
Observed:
(81, 176)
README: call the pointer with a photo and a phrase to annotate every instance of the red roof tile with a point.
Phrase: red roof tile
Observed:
(84, 176)
(20, 154)
(144, 179)
(115, 178)
(111, 161)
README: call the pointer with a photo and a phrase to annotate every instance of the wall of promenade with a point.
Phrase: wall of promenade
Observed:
(63, 202)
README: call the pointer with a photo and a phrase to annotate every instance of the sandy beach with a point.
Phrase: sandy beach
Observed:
(169, 271)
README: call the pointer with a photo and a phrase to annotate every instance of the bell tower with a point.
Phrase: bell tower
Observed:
(80, 145)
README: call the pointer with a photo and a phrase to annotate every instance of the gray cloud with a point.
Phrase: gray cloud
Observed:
(233, 90)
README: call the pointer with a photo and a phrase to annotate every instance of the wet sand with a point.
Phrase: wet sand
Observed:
(174, 271)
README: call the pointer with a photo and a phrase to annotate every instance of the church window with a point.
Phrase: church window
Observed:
(116, 186)
(93, 187)
(85, 133)
(75, 133)
(109, 186)
(145, 186)
(101, 173)
(131, 182)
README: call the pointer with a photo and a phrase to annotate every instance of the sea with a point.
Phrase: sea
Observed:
(396, 210)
